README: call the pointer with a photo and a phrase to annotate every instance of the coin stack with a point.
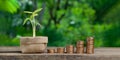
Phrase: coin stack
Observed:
(60, 50)
(51, 50)
(80, 47)
(70, 49)
(90, 45)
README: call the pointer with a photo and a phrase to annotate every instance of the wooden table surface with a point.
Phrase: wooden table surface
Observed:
(14, 53)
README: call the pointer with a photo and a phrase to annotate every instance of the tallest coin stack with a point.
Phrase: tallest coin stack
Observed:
(90, 45)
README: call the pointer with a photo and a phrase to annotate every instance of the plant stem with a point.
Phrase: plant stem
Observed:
(34, 31)
(34, 28)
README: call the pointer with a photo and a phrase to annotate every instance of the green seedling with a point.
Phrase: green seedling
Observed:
(33, 20)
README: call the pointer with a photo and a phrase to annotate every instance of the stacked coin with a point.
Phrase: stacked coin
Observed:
(80, 47)
(70, 49)
(51, 50)
(60, 50)
(90, 45)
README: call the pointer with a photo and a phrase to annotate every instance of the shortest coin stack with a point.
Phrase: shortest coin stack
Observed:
(90, 45)
(51, 50)
(80, 47)
(70, 49)
(60, 50)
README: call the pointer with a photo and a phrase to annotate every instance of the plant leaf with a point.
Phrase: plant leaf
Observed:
(35, 15)
(37, 23)
(27, 19)
(38, 10)
(28, 12)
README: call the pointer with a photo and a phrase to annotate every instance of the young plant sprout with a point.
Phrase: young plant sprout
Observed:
(32, 20)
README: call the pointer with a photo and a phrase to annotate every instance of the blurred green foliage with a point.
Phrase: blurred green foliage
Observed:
(9, 5)
(64, 22)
